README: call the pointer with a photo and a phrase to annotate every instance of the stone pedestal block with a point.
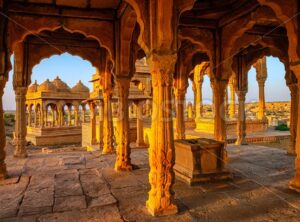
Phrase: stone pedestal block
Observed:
(200, 160)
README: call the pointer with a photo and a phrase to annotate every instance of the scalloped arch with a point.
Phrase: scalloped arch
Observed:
(138, 7)
(19, 32)
(286, 18)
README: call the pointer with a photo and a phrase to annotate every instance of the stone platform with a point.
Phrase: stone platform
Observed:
(206, 125)
(268, 136)
(54, 135)
(73, 185)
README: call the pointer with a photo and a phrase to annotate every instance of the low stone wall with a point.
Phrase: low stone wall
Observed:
(189, 123)
(53, 136)
(281, 140)
(87, 137)
(207, 126)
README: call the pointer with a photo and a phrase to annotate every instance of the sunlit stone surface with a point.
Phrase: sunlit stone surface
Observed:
(177, 41)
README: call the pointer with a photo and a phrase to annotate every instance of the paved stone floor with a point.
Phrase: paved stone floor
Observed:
(270, 132)
(73, 185)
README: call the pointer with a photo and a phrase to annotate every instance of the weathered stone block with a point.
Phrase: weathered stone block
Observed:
(200, 160)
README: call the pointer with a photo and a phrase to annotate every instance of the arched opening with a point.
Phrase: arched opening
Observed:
(268, 102)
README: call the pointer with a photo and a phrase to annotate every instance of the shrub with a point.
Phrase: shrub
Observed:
(282, 127)
(9, 119)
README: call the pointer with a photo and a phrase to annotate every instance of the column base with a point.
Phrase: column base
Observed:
(294, 184)
(124, 167)
(104, 152)
(22, 154)
(140, 145)
(291, 152)
(3, 172)
(169, 210)
(241, 142)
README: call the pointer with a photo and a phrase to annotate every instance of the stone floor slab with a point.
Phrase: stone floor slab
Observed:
(37, 201)
(69, 203)
(103, 200)
(11, 196)
(67, 184)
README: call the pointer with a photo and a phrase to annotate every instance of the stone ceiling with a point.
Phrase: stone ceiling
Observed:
(94, 4)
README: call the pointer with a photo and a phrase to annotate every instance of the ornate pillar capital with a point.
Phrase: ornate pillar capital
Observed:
(20, 90)
(261, 81)
(162, 67)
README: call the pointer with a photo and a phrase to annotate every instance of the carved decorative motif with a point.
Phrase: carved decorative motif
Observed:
(161, 151)
(20, 126)
(241, 120)
(123, 161)
(108, 146)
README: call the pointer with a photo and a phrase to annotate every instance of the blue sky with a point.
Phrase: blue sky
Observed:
(71, 69)
(275, 86)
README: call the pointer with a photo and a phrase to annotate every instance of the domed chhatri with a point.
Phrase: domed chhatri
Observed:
(33, 88)
(62, 124)
(47, 86)
(80, 87)
(61, 85)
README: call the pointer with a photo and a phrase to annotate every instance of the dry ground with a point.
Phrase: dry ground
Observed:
(73, 185)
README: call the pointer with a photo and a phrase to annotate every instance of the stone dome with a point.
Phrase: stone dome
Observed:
(33, 88)
(79, 87)
(60, 85)
(47, 86)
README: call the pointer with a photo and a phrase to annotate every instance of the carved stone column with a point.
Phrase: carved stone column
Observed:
(46, 118)
(180, 86)
(194, 92)
(261, 76)
(69, 116)
(198, 104)
(83, 116)
(53, 116)
(140, 125)
(3, 172)
(241, 120)
(226, 102)
(35, 118)
(295, 182)
(161, 151)
(76, 112)
(219, 87)
(42, 122)
(293, 117)
(29, 116)
(148, 107)
(93, 124)
(60, 117)
(190, 111)
(123, 161)
(180, 123)
(232, 99)
(20, 127)
(261, 102)
(101, 111)
(107, 123)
